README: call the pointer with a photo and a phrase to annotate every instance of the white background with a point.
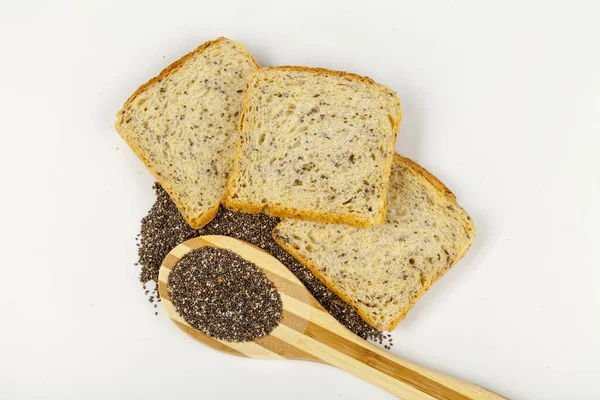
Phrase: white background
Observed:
(501, 102)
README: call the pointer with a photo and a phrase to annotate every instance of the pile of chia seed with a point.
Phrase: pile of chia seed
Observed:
(163, 228)
(224, 296)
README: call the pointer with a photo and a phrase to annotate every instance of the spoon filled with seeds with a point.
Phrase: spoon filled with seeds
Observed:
(238, 299)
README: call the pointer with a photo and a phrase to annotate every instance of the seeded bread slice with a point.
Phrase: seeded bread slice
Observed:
(183, 125)
(384, 270)
(315, 144)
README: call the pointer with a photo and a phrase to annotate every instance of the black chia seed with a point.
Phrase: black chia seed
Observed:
(163, 228)
(224, 296)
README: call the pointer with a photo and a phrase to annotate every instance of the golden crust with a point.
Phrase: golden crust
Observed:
(310, 215)
(195, 222)
(469, 227)
(295, 213)
(322, 71)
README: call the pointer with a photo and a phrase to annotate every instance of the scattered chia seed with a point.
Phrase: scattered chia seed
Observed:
(163, 228)
(224, 296)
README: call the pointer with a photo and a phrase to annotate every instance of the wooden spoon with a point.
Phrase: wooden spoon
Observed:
(307, 332)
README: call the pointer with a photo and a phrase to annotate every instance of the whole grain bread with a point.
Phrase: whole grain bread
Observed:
(183, 125)
(315, 144)
(384, 270)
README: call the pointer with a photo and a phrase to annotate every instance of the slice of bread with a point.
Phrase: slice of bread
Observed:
(183, 125)
(384, 270)
(315, 144)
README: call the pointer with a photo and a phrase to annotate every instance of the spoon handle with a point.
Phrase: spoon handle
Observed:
(405, 379)
(338, 347)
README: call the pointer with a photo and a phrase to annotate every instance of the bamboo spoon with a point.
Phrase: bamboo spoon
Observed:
(307, 332)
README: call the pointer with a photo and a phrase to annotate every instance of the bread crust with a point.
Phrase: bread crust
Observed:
(195, 222)
(295, 213)
(309, 215)
(441, 188)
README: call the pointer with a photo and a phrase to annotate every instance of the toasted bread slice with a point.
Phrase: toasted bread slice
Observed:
(383, 271)
(315, 144)
(183, 125)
